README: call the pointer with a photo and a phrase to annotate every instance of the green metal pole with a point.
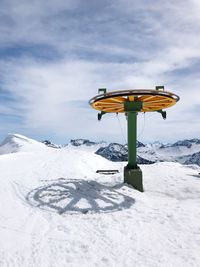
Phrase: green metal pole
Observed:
(132, 172)
(132, 140)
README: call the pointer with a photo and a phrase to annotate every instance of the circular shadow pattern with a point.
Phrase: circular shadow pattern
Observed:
(66, 196)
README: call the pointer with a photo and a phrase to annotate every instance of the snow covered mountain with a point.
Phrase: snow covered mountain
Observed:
(180, 151)
(50, 144)
(118, 152)
(16, 142)
(193, 159)
(79, 142)
(185, 152)
(55, 210)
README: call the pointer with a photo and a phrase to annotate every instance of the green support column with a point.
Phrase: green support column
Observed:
(132, 140)
(132, 172)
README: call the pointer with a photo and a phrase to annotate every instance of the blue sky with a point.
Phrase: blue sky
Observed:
(54, 55)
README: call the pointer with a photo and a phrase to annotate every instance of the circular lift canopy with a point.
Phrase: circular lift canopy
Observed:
(152, 100)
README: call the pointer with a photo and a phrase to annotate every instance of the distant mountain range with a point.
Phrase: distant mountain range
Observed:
(183, 151)
(118, 152)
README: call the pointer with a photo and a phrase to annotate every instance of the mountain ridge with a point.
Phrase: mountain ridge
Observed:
(185, 151)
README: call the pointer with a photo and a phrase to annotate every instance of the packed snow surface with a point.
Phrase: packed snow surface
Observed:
(55, 210)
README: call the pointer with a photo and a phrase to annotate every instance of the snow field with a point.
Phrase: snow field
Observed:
(56, 211)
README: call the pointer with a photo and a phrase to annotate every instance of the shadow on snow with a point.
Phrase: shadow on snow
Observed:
(79, 196)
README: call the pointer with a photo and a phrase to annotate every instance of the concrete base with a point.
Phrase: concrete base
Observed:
(134, 178)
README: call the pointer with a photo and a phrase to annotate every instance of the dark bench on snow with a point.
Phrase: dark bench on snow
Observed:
(107, 172)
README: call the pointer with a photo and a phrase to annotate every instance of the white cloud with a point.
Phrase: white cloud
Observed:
(47, 96)
(123, 44)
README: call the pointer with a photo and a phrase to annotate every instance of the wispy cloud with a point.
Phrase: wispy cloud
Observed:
(55, 53)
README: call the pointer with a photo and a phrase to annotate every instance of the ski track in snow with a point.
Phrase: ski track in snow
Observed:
(157, 228)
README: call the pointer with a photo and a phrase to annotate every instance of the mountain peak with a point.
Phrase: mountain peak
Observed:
(117, 152)
(17, 142)
(187, 142)
(50, 144)
(79, 142)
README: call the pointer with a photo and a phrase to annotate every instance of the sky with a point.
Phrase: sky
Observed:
(54, 55)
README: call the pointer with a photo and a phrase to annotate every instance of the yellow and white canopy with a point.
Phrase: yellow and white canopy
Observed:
(152, 100)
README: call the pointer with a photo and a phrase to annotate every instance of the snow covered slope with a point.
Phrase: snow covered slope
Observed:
(16, 142)
(55, 210)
